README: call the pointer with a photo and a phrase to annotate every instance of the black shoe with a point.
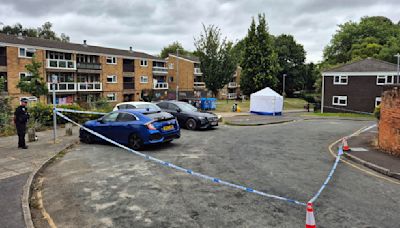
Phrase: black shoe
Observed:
(23, 147)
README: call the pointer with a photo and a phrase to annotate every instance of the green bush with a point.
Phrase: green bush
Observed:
(377, 112)
(6, 116)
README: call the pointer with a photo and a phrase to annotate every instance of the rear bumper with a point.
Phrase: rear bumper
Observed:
(160, 137)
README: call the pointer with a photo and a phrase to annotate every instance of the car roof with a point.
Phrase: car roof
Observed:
(173, 101)
(134, 111)
(134, 103)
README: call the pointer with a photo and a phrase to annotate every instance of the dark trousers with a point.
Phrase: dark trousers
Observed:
(21, 130)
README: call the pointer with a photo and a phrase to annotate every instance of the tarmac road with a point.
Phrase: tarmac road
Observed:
(104, 186)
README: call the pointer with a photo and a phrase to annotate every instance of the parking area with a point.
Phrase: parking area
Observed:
(105, 186)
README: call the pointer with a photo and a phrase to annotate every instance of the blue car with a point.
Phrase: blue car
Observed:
(133, 127)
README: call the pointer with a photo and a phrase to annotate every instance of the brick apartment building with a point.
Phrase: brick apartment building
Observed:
(356, 86)
(186, 70)
(85, 73)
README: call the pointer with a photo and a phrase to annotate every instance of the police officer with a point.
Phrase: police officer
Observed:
(21, 117)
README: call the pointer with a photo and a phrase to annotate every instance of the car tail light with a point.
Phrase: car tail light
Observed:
(150, 126)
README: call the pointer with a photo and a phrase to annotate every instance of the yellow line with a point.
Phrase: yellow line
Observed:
(41, 206)
(358, 167)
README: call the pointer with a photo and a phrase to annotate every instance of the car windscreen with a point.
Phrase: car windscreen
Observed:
(186, 107)
(159, 115)
(150, 107)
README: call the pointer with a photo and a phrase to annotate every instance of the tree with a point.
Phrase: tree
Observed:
(34, 84)
(291, 57)
(172, 49)
(260, 61)
(45, 32)
(216, 60)
(376, 37)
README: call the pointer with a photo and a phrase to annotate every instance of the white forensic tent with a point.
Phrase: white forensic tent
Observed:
(266, 102)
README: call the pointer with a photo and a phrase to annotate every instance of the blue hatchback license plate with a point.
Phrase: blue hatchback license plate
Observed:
(168, 128)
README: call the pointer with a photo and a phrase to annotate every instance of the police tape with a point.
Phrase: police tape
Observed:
(315, 197)
(188, 171)
(340, 153)
(78, 111)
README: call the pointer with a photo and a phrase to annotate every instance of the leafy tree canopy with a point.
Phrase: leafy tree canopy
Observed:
(376, 37)
(216, 61)
(260, 61)
(34, 84)
(171, 49)
(45, 31)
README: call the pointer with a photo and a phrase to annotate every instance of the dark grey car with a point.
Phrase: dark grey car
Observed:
(188, 116)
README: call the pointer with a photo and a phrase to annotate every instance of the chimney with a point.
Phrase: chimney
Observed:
(20, 36)
(84, 43)
(130, 49)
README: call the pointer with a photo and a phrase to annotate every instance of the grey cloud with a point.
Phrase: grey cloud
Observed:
(150, 25)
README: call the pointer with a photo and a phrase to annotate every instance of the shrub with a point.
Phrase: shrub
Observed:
(6, 116)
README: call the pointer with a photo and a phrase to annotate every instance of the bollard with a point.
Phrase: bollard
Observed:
(31, 135)
(68, 129)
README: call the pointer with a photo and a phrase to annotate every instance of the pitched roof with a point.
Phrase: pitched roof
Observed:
(365, 65)
(188, 57)
(45, 43)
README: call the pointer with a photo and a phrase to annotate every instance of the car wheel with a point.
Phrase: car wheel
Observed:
(87, 138)
(191, 124)
(135, 142)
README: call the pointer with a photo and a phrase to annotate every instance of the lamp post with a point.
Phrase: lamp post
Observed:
(398, 67)
(53, 83)
(283, 89)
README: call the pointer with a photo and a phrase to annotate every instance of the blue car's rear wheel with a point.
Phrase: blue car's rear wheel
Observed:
(135, 142)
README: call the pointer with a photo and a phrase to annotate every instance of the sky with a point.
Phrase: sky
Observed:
(150, 25)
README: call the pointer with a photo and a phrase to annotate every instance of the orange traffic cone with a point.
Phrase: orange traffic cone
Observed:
(345, 145)
(310, 220)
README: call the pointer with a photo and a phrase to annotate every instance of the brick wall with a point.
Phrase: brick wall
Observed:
(389, 124)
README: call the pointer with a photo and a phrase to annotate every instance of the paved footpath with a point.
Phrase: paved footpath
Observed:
(15, 167)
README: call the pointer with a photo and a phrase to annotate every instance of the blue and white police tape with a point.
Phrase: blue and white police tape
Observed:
(78, 111)
(340, 153)
(315, 197)
(188, 171)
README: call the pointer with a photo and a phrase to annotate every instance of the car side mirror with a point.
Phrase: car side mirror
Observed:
(179, 110)
(100, 120)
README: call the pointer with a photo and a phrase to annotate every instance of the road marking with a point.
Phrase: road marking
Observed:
(358, 167)
(361, 149)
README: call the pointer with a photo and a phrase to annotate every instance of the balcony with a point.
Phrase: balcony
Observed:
(197, 71)
(232, 85)
(199, 85)
(160, 70)
(231, 96)
(128, 85)
(160, 85)
(90, 86)
(89, 66)
(62, 87)
(61, 64)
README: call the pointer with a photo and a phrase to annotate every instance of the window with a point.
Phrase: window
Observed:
(25, 76)
(111, 78)
(111, 97)
(143, 62)
(340, 80)
(144, 79)
(171, 79)
(377, 101)
(163, 105)
(111, 60)
(112, 117)
(384, 79)
(339, 100)
(125, 117)
(171, 66)
(26, 52)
